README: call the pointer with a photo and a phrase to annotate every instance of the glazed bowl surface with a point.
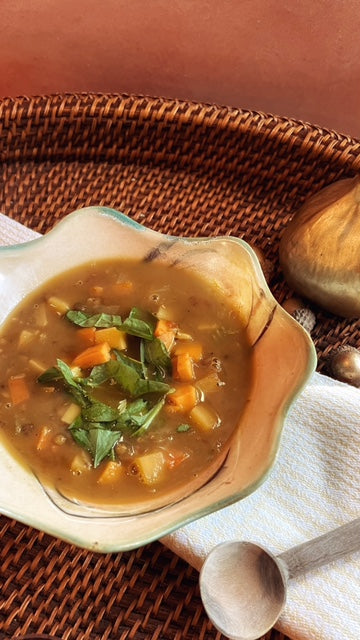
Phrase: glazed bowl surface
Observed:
(283, 358)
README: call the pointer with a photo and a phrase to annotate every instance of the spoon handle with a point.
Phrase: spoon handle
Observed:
(321, 550)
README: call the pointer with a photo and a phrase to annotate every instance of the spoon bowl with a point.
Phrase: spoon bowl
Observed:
(244, 587)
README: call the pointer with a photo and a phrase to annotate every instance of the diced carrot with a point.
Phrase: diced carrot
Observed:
(111, 472)
(113, 336)
(194, 349)
(175, 458)
(43, 439)
(183, 368)
(97, 354)
(18, 388)
(168, 339)
(86, 336)
(164, 326)
(182, 400)
(121, 288)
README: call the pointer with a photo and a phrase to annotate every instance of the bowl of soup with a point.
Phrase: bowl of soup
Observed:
(145, 379)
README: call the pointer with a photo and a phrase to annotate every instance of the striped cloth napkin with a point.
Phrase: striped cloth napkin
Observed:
(314, 487)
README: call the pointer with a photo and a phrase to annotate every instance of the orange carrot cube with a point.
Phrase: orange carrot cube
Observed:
(86, 336)
(193, 349)
(182, 400)
(183, 368)
(18, 388)
(97, 354)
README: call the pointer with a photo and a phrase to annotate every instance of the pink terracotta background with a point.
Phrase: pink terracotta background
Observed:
(299, 58)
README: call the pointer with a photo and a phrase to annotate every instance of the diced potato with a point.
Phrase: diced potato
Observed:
(204, 417)
(76, 371)
(167, 339)
(208, 326)
(43, 439)
(209, 383)
(112, 472)
(181, 335)
(58, 305)
(37, 366)
(115, 338)
(80, 463)
(40, 315)
(96, 290)
(150, 467)
(164, 313)
(26, 337)
(71, 413)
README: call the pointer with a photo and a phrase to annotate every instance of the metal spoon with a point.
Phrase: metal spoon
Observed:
(243, 586)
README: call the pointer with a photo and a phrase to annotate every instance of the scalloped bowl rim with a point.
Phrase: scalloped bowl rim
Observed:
(104, 533)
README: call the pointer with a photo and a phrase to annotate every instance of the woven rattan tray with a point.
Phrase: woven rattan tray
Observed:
(182, 168)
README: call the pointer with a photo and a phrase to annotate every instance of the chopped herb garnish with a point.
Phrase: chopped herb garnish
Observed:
(183, 427)
(157, 354)
(142, 394)
(139, 323)
(100, 320)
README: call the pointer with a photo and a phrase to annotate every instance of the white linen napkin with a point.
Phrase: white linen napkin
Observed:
(314, 487)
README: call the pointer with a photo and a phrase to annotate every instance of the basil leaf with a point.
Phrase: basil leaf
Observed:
(139, 323)
(151, 386)
(100, 412)
(98, 441)
(131, 362)
(63, 374)
(157, 354)
(49, 376)
(98, 375)
(101, 320)
(146, 420)
(131, 382)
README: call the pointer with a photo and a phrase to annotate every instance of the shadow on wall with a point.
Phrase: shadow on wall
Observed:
(298, 59)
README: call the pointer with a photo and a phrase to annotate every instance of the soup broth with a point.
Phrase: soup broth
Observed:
(122, 381)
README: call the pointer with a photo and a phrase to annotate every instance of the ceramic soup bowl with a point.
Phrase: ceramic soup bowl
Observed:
(283, 358)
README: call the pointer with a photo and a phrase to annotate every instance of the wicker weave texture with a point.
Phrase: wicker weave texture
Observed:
(180, 168)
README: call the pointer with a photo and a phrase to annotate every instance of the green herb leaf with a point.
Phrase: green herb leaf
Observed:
(146, 420)
(183, 427)
(101, 320)
(98, 441)
(63, 374)
(131, 382)
(140, 323)
(50, 376)
(100, 412)
(157, 354)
